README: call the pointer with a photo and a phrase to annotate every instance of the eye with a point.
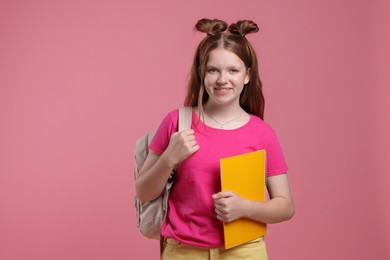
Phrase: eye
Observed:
(234, 70)
(212, 70)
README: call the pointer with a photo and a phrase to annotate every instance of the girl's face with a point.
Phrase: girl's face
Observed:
(225, 77)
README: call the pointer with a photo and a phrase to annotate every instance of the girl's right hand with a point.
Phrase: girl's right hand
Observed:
(181, 146)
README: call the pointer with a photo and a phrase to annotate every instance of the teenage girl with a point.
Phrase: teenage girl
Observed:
(225, 93)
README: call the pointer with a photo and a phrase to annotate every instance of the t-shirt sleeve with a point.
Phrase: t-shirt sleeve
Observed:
(276, 163)
(163, 134)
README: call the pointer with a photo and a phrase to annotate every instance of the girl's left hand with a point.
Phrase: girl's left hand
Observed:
(228, 206)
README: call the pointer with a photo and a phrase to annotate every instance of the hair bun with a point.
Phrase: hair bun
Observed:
(243, 27)
(211, 27)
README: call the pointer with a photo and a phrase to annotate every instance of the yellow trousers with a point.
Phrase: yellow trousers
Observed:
(253, 250)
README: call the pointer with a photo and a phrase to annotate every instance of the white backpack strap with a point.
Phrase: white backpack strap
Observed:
(185, 118)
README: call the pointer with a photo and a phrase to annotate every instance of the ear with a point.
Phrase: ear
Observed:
(247, 76)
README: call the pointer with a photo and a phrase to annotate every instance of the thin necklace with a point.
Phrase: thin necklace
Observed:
(222, 125)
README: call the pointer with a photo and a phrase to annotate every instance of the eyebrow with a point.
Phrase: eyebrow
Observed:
(229, 67)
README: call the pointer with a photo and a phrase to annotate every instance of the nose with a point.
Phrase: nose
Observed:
(222, 79)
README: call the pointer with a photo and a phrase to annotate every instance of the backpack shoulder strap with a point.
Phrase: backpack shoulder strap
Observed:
(185, 118)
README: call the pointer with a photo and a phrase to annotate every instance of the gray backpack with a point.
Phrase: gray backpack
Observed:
(151, 214)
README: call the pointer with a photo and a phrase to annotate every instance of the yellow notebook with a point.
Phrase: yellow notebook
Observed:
(245, 175)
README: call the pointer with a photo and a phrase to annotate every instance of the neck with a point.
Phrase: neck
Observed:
(224, 117)
(219, 111)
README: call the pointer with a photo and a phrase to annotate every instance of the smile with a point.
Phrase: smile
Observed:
(222, 90)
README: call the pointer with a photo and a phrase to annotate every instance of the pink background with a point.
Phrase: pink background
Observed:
(80, 81)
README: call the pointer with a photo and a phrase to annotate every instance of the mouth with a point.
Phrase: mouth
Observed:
(222, 90)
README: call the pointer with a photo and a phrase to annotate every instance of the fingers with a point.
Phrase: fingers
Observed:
(222, 194)
(181, 145)
(222, 212)
(220, 215)
(186, 135)
(194, 148)
(220, 203)
(188, 132)
(188, 139)
(225, 206)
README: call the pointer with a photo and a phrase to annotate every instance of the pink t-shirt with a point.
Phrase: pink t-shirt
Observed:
(191, 218)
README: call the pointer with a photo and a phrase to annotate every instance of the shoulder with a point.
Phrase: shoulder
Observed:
(265, 132)
(173, 114)
(259, 124)
(170, 120)
(172, 117)
(167, 126)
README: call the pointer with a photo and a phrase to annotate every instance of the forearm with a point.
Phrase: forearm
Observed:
(276, 210)
(151, 182)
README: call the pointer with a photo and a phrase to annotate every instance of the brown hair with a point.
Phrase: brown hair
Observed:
(251, 99)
